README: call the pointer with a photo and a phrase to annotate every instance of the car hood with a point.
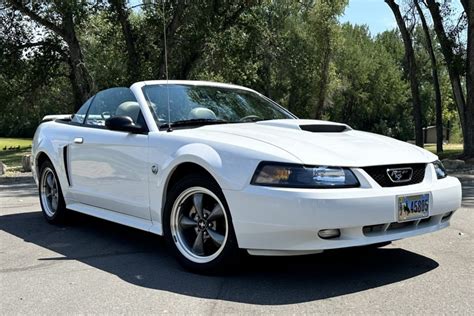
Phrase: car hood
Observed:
(316, 142)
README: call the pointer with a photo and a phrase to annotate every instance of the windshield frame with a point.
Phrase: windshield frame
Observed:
(165, 125)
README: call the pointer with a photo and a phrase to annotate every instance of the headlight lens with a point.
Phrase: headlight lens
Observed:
(440, 170)
(300, 176)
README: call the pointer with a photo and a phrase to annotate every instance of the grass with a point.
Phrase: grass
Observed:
(450, 151)
(12, 158)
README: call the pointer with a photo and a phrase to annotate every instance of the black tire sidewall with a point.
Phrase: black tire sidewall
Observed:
(230, 255)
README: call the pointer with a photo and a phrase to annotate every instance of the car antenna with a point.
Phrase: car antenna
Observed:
(166, 69)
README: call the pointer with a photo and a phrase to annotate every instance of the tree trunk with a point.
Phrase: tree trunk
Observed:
(324, 78)
(171, 28)
(266, 74)
(348, 109)
(410, 58)
(292, 99)
(76, 90)
(187, 66)
(453, 69)
(434, 73)
(133, 64)
(469, 109)
(84, 82)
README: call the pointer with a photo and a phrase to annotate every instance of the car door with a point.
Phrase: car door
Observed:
(108, 169)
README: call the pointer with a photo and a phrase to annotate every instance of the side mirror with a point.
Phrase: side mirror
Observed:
(122, 123)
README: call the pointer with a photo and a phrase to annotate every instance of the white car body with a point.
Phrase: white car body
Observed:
(108, 174)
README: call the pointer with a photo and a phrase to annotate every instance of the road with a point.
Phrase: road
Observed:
(92, 266)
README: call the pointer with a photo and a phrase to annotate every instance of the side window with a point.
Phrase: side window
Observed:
(114, 102)
(81, 114)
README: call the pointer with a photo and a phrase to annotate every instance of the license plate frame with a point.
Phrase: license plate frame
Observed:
(411, 207)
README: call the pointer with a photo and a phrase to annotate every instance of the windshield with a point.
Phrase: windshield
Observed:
(189, 103)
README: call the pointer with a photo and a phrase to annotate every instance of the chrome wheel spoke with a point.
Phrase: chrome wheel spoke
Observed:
(216, 237)
(186, 222)
(197, 201)
(198, 246)
(54, 203)
(50, 181)
(215, 213)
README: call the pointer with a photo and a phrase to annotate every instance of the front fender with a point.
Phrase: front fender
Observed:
(230, 170)
(201, 154)
(44, 144)
(227, 169)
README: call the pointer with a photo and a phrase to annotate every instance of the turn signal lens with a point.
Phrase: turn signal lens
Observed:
(440, 170)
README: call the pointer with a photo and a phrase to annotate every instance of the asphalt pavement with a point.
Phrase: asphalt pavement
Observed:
(95, 267)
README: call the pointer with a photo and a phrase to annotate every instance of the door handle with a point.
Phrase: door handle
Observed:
(78, 140)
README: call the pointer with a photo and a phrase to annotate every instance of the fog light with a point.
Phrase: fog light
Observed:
(329, 233)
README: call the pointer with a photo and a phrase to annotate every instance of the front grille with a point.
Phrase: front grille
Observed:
(395, 226)
(379, 174)
(374, 230)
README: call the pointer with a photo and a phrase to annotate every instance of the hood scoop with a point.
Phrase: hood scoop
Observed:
(313, 126)
(325, 128)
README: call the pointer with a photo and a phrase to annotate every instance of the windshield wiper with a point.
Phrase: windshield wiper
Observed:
(192, 122)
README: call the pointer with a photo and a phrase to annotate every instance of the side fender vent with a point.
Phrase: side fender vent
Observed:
(66, 163)
(325, 128)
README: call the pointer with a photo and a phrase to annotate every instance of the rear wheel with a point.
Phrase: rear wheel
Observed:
(198, 225)
(50, 194)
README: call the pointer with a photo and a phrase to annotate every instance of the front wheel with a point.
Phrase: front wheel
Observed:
(198, 225)
(50, 194)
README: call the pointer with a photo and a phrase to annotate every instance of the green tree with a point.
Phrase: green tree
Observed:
(62, 18)
(371, 93)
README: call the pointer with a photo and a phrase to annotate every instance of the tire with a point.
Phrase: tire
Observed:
(198, 226)
(50, 195)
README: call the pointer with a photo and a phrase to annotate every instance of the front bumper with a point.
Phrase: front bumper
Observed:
(283, 221)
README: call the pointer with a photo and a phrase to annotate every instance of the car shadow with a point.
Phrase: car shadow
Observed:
(142, 259)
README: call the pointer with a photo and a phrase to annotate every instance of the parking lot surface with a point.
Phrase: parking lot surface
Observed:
(92, 266)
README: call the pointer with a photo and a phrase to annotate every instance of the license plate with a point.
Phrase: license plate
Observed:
(411, 207)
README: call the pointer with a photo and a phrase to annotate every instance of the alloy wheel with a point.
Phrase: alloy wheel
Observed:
(49, 192)
(199, 224)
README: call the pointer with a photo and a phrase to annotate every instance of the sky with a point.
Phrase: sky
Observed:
(376, 14)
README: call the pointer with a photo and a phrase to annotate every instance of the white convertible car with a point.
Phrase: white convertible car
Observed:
(218, 168)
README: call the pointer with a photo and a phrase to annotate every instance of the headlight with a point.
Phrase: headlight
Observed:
(440, 170)
(300, 176)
